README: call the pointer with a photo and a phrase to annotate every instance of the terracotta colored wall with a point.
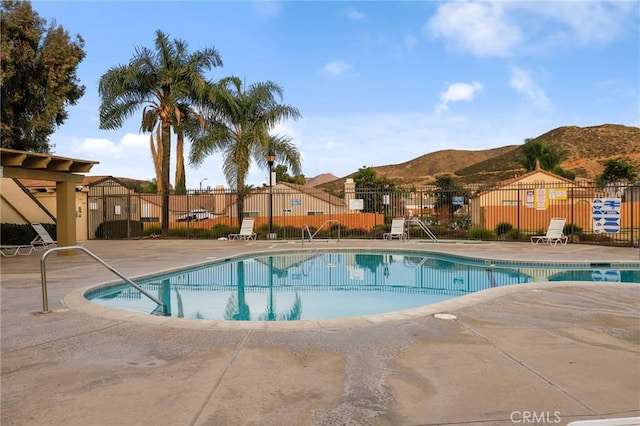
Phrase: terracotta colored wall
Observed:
(532, 219)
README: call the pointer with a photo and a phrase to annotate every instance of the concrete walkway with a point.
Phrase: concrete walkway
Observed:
(543, 353)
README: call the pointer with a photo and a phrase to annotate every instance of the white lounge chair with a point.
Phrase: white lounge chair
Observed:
(554, 233)
(43, 240)
(14, 250)
(246, 231)
(397, 230)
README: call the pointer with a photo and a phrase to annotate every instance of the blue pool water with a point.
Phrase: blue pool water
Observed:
(307, 285)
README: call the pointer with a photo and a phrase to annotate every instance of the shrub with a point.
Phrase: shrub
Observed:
(222, 231)
(513, 234)
(152, 230)
(480, 233)
(571, 229)
(503, 228)
(119, 229)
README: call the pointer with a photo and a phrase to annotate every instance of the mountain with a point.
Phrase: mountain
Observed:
(587, 149)
(321, 179)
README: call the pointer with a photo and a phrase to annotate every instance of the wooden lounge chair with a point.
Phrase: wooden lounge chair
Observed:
(397, 230)
(554, 233)
(246, 231)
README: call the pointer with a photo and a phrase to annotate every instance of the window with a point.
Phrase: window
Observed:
(250, 214)
(314, 212)
(285, 211)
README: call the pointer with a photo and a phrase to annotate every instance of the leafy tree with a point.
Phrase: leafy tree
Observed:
(282, 175)
(169, 85)
(239, 121)
(38, 77)
(537, 153)
(616, 170)
(448, 187)
(370, 188)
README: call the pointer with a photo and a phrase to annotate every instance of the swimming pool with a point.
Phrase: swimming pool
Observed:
(311, 285)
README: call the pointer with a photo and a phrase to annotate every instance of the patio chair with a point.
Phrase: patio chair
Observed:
(397, 230)
(14, 250)
(554, 233)
(246, 231)
(43, 240)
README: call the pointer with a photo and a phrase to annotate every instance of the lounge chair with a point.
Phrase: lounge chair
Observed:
(246, 231)
(554, 233)
(397, 230)
(43, 240)
(14, 250)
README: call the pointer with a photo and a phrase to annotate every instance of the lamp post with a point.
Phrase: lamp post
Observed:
(201, 184)
(271, 157)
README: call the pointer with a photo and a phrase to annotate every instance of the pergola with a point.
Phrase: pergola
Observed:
(65, 172)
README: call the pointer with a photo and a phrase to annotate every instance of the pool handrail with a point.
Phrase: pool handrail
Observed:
(422, 226)
(318, 230)
(43, 275)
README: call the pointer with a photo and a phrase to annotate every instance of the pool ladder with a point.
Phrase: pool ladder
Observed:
(43, 274)
(422, 226)
(313, 244)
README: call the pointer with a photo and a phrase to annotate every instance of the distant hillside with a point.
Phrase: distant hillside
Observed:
(587, 149)
(321, 179)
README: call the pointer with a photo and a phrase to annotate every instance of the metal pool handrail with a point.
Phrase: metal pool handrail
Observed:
(43, 274)
(319, 228)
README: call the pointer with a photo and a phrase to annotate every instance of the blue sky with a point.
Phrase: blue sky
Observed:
(377, 83)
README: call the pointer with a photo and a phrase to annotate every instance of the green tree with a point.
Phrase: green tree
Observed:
(536, 153)
(282, 175)
(239, 122)
(371, 188)
(169, 85)
(448, 187)
(37, 77)
(616, 170)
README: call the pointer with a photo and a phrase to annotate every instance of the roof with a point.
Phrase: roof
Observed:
(44, 162)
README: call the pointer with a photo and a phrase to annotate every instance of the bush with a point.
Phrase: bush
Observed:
(503, 228)
(119, 229)
(480, 233)
(14, 234)
(152, 230)
(571, 229)
(223, 231)
(513, 234)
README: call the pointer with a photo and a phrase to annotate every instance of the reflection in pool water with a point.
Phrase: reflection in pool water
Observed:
(308, 285)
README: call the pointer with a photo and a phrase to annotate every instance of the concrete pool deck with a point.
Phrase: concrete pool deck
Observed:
(543, 353)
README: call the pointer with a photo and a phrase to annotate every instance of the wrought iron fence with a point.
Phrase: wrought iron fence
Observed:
(593, 214)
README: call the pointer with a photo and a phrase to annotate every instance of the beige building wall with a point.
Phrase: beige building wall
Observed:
(20, 208)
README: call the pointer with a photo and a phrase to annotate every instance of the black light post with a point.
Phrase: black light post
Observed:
(271, 157)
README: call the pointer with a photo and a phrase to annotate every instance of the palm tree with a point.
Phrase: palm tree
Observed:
(169, 84)
(238, 126)
(537, 153)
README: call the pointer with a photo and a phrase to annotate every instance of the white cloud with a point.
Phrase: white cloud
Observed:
(458, 92)
(480, 28)
(506, 28)
(354, 14)
(522, 82)
(336, 68)
(267, 9)
(130, 145)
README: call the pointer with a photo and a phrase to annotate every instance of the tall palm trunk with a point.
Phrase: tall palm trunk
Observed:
(181, 181)
(156, 155)
(166, 167)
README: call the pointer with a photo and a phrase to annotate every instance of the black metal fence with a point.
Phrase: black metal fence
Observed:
(593, 214)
